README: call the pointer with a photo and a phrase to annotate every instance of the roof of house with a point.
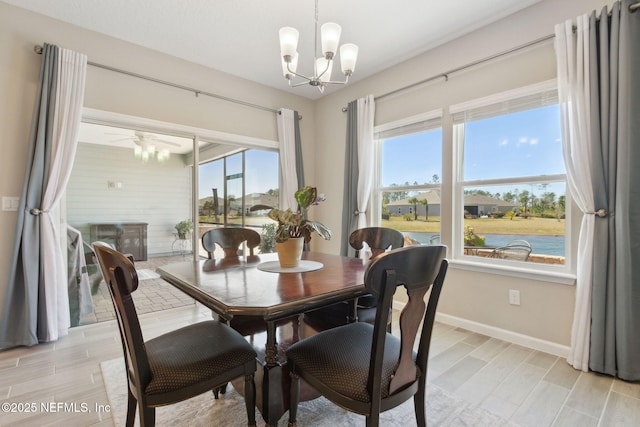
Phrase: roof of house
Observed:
(433, 198)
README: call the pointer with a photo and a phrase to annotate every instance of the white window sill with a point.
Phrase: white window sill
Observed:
(506, 270)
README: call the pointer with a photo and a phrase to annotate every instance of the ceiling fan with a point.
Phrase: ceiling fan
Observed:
(146, 146)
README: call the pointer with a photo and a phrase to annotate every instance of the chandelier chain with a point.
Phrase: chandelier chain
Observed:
(315, 39)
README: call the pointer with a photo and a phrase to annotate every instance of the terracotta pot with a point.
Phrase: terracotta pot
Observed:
(290, 252)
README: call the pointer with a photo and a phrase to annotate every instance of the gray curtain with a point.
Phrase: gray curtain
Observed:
(350, 198)
(299, 163)
(24, 307)
(615, 113)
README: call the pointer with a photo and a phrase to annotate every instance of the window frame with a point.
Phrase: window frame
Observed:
(558, 273)
(423, 122)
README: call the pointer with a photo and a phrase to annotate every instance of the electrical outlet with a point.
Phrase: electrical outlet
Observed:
(10, 203)
(514, 297)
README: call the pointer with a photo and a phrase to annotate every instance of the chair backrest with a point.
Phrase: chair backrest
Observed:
(230, 239)
(417, 269)
(511, 251)
(379, 239)
(518, 243)
(120, 275)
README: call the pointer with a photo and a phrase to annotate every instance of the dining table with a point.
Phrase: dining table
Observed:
(257, 287)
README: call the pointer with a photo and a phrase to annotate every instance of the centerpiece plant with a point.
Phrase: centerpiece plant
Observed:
(293, 229)
(295, 224)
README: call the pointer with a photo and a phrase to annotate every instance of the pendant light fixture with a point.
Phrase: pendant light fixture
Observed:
(323, 64)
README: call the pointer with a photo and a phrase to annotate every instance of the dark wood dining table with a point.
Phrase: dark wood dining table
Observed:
(239, 287)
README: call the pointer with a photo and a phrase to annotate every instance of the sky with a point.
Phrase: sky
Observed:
(261, 174)
(511, 145)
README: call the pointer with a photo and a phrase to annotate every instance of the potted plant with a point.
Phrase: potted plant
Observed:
(184, 228)
(294, 229)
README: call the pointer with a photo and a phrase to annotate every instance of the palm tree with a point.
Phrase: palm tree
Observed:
(425, 202)
(414, 201)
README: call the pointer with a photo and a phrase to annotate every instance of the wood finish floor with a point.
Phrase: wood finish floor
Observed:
(527, 387)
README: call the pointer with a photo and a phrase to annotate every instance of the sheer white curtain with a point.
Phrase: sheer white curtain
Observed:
(366, 112)
(572, 54)
(287, 140)
(68, 111)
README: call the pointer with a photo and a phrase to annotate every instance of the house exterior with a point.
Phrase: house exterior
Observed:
(402, 207)
(478, 205)
(474, 204)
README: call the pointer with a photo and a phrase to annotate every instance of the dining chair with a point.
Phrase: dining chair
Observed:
(362, 367)
(517, 250)
(362, 309)
(177, 365)
(229, 239)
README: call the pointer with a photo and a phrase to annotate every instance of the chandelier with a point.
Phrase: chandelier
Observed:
(323, 65)
(146, 151)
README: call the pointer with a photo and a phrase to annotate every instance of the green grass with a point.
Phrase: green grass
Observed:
(517, 225)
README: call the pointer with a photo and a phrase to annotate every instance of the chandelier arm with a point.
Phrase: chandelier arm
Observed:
(298, 84)
(298, 75)
(346, 80)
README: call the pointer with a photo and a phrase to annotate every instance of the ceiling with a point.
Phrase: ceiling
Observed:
(240, 37)
(128, 138)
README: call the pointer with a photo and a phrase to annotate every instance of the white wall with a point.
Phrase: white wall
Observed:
(156, 193)
(21, 30)
(547, 308)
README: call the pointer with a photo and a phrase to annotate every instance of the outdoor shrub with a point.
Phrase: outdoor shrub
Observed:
(268, 238)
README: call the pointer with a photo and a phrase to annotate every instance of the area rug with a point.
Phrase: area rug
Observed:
(228, 411)
(145, 274)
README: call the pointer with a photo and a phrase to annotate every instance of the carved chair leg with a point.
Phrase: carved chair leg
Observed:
(373, 420)
(132, 405)
(294, 398)
(420, 407)
(250, 399)
(147, 417)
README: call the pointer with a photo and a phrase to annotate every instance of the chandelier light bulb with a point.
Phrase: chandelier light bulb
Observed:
(163, 155)
(323, 69)
(330, 37)
(288, 43)
(348, 58)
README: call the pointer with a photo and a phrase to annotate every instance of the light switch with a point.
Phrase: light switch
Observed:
(10, 203)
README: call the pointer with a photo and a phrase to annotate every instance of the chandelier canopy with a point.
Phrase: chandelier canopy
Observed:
(323, 65)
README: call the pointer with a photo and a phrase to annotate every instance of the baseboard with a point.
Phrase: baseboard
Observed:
(502, 334)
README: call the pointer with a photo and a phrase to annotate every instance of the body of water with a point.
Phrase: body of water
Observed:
(545, 245)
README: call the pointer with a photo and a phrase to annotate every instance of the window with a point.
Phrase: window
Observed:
(407, 195)
(239, 189)
(511, 182)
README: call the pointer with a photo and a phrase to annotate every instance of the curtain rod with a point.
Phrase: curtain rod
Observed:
(446, 74)
(197, 92)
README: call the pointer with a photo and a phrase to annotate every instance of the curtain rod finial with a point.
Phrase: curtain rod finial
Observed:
(37, 49)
